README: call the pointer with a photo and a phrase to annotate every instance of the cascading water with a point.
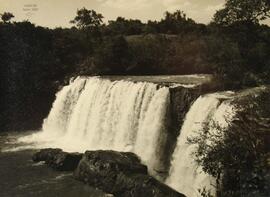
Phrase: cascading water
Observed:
(62, 108)
(185, 175)
(96, 113)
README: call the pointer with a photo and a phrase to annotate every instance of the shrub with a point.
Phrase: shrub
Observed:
(238, 156)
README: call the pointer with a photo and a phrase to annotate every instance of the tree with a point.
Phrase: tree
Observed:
(90, 22)
(238, 156)
(112, 56)
(175, 23)
(122, 26)
(148, 53)
(6, 17)
(87, 19)
(243, 11)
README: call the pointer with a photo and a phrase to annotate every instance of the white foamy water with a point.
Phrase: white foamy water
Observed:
(96, 113)
(62, 109)
(185, 175)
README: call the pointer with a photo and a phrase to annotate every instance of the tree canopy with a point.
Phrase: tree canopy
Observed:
(124, 26)
(176, 22)
(243, 11)
(87, 18)
(6, 16)
(34, 59)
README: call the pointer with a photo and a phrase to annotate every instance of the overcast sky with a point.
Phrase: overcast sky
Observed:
(56, 13)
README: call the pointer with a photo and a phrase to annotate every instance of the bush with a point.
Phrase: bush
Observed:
(147, 53)
(112, 56)
(238, 156)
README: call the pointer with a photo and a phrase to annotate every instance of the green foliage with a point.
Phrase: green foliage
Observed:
(112, 56)
(33, 60)
(148, 53)
(26, 66)
(6, 16)
(172, 23)
(238, 156)
(176, 22)
(186, 54)
(243, 11)
(122, 26)
(87, 18)
(225, 59)
(239, 54)
(70, 47)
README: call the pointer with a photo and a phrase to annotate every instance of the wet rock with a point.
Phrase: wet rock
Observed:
(121, 174)
(140, 185)
(45, 154)
(58, 159)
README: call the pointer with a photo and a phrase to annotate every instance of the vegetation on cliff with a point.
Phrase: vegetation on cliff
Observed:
(238, 156)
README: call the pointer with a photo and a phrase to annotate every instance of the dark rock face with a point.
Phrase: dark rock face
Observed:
(120, 174)
(140, 185)
(58, 159)
(45, 154)
(181, 99)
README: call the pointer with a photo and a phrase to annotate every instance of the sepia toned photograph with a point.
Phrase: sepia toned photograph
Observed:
(134, 98)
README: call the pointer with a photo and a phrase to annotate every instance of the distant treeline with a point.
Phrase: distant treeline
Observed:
(35, 60)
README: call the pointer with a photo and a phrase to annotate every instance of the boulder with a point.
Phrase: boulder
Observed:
(58, 159)
(120, 174)
(45, 154)
(141, 185)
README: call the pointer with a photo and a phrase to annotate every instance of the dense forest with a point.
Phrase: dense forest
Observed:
(35, 61)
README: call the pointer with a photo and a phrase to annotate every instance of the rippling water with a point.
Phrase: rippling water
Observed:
(20, 177)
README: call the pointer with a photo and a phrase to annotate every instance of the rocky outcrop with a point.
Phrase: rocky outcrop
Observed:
(58, 159)
(120, 174)
(181, 98)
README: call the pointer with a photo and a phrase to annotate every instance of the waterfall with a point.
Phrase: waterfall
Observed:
(94, 113)
(62, 108)
(185, 175)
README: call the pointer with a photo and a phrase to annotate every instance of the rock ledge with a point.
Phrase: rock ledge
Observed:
(118, 173)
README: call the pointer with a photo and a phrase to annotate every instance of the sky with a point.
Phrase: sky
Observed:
(58, 13)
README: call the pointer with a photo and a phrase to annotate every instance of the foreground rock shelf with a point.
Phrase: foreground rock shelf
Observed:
(117, 173)
(58, 159)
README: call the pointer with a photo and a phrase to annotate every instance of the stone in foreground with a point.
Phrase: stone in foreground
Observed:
(121, 174)
(58, 159)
